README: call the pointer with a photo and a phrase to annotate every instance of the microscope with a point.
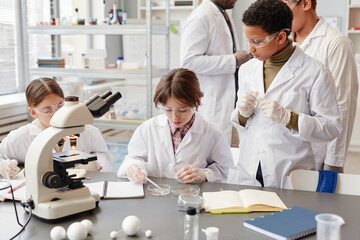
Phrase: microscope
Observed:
(54, 193)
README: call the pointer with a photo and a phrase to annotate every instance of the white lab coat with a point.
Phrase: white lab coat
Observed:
(334, 50)
(206, 49)
(203, 146)
(304, 86)
(17, 142)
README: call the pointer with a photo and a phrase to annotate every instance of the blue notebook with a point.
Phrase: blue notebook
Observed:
(292, 223)
(51, 59)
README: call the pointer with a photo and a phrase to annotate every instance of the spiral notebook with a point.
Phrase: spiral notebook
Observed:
(292, 223)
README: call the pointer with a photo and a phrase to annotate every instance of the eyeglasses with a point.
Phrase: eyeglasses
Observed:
(291, 3)
(49, 109)
(180, 111)
(261, 42)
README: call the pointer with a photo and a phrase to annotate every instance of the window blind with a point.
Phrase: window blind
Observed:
(8, 77)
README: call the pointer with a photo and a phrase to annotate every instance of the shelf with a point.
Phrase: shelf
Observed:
(354, 6)
(118, 123)
(353, 31)
(95, 73)
(129, 29)
(162, 8)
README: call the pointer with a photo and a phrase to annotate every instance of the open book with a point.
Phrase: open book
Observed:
(247, 200)
(19, 190)
(117, 189)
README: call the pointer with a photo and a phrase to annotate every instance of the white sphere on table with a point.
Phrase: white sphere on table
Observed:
(131, 225)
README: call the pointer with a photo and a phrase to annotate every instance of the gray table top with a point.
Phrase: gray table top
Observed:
(160, 214)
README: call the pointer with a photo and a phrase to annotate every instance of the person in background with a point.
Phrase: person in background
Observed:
(44, 97)
(286, 99)
(331, 47)
(209, 47)
(179, 143)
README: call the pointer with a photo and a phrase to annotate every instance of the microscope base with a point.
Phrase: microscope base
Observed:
(64, 207)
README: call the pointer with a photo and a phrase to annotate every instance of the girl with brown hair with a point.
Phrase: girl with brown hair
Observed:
(179, 143)
(44, 97)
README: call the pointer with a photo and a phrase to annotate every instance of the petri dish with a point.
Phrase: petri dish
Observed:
(185, 188)
(165, 190)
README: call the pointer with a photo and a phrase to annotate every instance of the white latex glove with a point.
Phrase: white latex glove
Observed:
(135, 173)
(274, 111)
(246, 102)
(10, 166)
(191, 174)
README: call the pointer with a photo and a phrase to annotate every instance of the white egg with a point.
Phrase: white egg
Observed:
(88, 224)
(131, 225)
(148, 233)
(113, 234)
(77, 231)
(58, 233)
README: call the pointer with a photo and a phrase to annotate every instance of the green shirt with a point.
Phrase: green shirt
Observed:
(272, 67)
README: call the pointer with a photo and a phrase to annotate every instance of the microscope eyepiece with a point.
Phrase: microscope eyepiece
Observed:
(93, 98)
(98, 106)
(106, 94)
(113, 98)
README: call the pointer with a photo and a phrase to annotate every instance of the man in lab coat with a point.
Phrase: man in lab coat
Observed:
(286, 99)
(209, 47)
(328, 45)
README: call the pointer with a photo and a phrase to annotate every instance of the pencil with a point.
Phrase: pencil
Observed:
(17, 187)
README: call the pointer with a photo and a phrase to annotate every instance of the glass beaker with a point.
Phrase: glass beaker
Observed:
(328, 226)
(5, 185)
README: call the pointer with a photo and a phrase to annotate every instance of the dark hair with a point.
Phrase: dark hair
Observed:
(313, 3)
(181, 84)
(271, 15)
(40, 88)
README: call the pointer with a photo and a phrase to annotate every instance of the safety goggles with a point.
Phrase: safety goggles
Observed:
(49, 109)
(261, 42)
(180, 111)
(291, 3)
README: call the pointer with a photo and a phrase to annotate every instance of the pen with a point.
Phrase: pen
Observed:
(17, 187)
(229, 211)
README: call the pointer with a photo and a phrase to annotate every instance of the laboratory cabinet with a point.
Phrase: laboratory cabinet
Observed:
(177, 8)
(353, 26)
(179, 11)
(353, 32)
(143, 76)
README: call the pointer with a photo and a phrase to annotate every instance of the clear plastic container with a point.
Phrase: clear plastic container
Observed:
(328, 226)
(70, 60)
(191, 224)
(124, 17)
(119, 62)
(186, 200)
(74, 20)
(83, 60)
(212, 233)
